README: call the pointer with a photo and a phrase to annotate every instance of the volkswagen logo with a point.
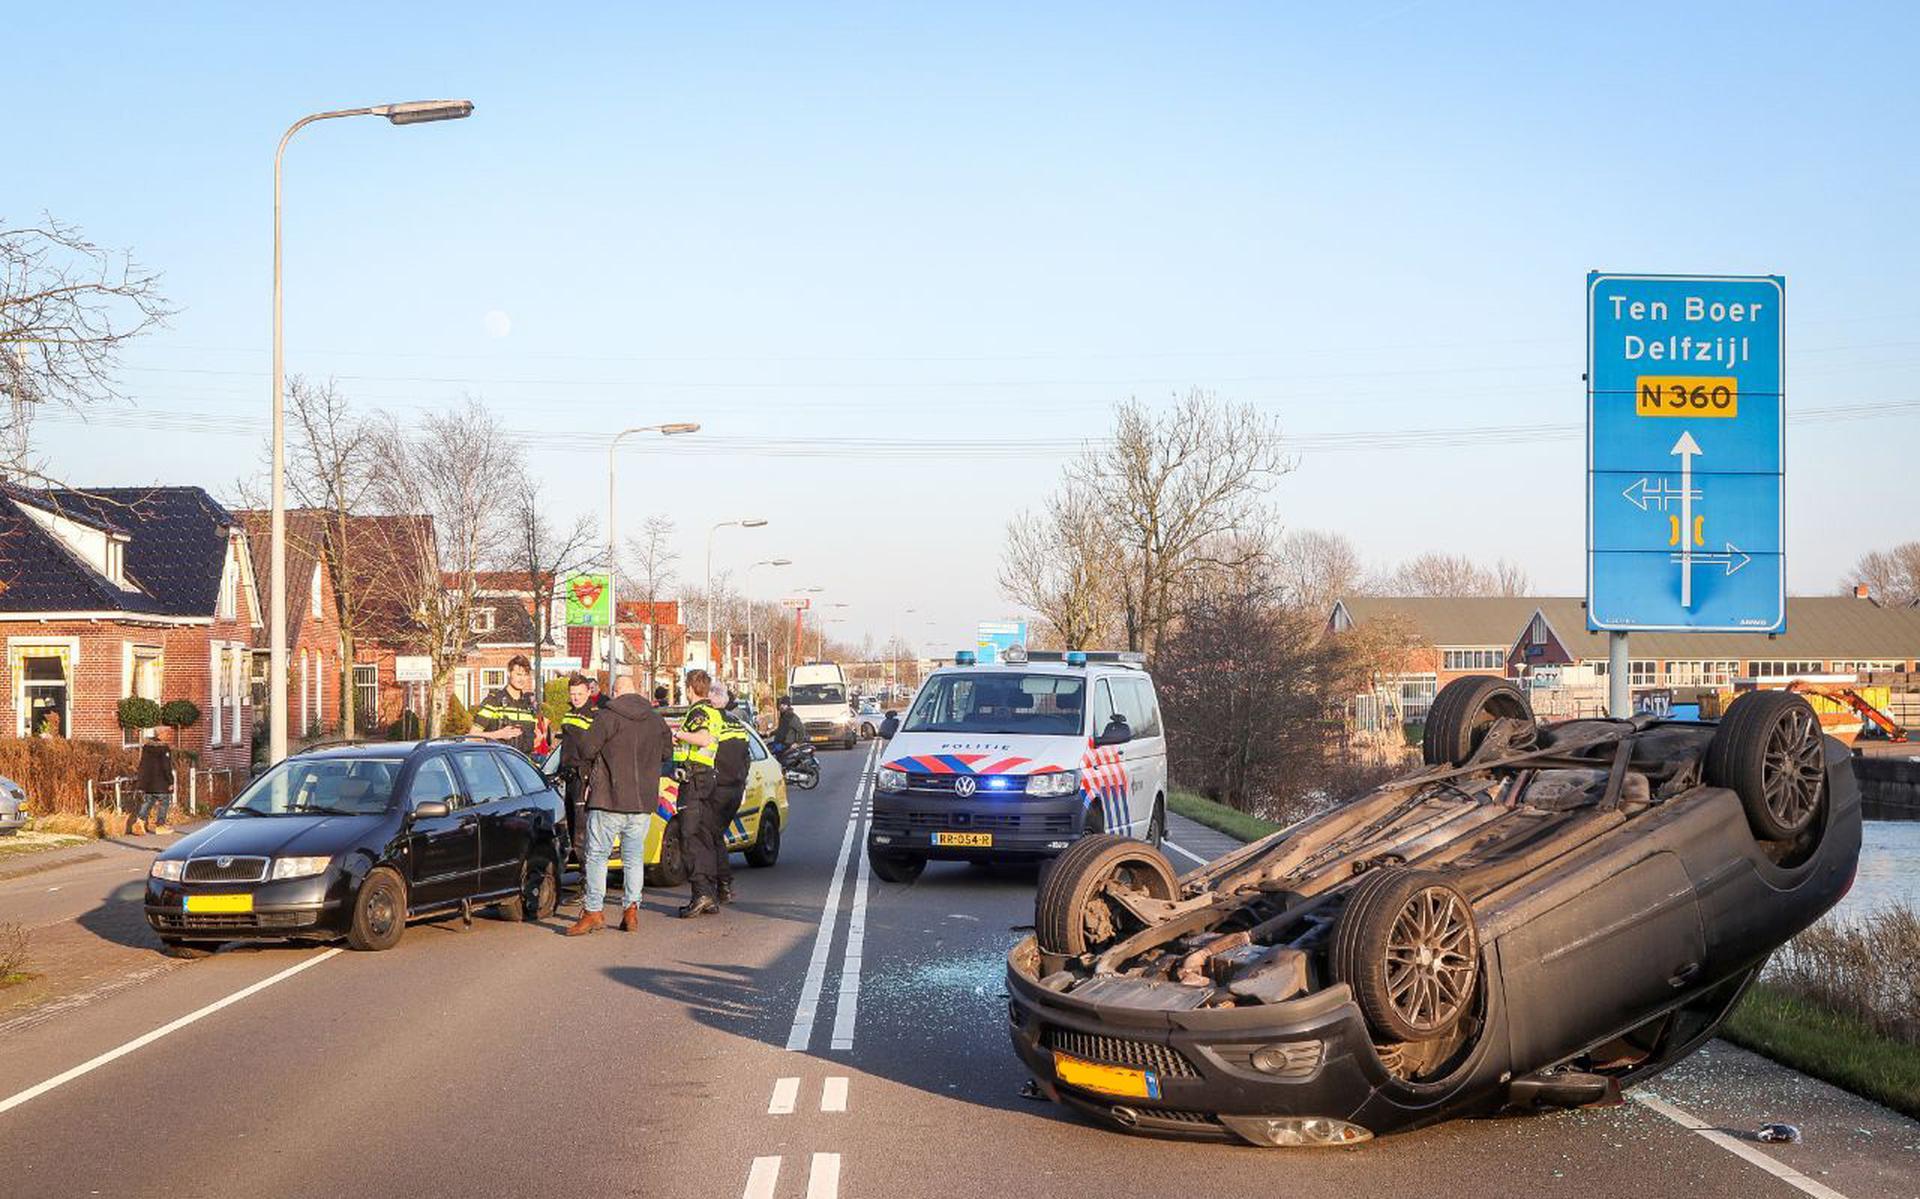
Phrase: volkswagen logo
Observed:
(223, 862)
(965, 786)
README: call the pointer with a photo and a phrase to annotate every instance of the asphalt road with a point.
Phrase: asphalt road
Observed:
(506, 1059)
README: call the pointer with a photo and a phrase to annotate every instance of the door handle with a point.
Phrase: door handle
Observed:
(1684, 975)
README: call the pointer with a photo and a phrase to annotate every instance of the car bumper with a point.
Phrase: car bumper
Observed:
(1203, 1083)
(295, 907)
(12, 822)
(914, 823)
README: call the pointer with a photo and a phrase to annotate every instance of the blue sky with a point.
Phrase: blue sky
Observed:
(982, 226)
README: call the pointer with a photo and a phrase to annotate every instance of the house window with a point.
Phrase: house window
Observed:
(237, 691)
(43, 689)
(229, 587)
(144, 673)
(482, 620)
(1700, 674)
(216, 691)
(1867, 665)
(313, 594)
(366, 691)
(1473, 659)
(1643, 672)
(1783, 668)
(1416, 697)
(490, 681)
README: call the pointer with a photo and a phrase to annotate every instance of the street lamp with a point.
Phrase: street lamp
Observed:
(412, 112)
(613, 541)
(751, 522)
(745, 575)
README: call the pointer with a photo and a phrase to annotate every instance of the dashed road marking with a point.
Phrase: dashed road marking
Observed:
(112, 1055)
(1187, 853)
(833, 1095)
(804, 1012)
(762, 1177)
(786, 1092)
(823, 1178)
(1738, 1148)
(848, 1009)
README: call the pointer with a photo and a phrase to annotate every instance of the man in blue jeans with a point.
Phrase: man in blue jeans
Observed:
(624, 747)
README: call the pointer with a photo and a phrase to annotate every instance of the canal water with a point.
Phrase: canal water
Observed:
(1889, 868)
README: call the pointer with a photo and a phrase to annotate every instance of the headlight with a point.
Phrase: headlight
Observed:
(299, 867)
(168, 871)
(1054, 782)
(892, 780)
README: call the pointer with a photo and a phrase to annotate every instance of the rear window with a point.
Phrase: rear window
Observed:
(995, 702)
(817, 693)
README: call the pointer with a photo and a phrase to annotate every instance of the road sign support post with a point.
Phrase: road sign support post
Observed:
(1619, 690)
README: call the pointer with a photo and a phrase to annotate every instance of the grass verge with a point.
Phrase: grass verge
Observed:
(1831, 1046)
(32, 841)
(1231, 821)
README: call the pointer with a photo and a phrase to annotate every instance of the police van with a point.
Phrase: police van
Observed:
(1017, 759)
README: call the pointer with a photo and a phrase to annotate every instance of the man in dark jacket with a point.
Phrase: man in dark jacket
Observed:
(889, 726)
(625, 745)
(574, 763)
(788, 730)
(155, 783)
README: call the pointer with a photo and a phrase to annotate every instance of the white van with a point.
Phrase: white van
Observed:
(1018, 759)
(819, 694)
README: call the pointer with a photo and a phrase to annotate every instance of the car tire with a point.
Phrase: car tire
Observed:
(539, 892)
(895, 867)
(1157, 824)
(1065, 917)
(1769, 750)
(765, 850)
(1394, 912)
(379, 911)
(672, 868)
(187, 951)
(1461, 714)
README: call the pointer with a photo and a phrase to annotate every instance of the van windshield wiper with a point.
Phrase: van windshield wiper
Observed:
(237, 810)
(323, 809)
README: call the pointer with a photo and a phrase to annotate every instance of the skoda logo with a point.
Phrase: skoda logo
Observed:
(965, 786)
(223, 863)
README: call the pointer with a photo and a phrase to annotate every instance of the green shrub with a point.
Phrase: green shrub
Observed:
(138, 712)
(554, 705)
(407, 728)
(457, 722)
(179, 713)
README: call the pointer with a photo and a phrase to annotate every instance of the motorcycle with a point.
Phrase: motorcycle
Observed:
(802, 767)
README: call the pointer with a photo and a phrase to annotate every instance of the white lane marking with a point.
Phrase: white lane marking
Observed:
(786, 1092)
(848, 1009)
(1185, 852)
(111, 1055)
(1737, 1147)
(833, 1095)
(804, 1012)
(823, 1178)
(761, 1178)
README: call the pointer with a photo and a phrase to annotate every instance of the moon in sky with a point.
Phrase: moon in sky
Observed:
(497, 323)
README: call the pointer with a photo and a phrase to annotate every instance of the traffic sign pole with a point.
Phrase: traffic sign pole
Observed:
(1619, 688)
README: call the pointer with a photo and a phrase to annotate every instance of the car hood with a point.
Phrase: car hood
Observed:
(277, 836)
(983, 753)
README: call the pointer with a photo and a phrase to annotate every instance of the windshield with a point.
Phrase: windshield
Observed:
(327, 786)
(818, 693)
(1042, 704)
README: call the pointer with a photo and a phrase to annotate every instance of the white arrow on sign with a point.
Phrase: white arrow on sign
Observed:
(1733, 559)
(1643, 493)
(1688, 449)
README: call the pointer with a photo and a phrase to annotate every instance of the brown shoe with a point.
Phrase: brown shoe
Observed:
(589, 922)
(630, 919)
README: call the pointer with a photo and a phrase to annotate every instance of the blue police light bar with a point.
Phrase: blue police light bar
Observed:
(965, 657)
(996, 782)
(1076, 657)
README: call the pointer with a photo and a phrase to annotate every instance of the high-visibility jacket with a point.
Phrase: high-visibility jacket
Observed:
(573, 727)
(500, 709)
(730, 751)
(702, 716)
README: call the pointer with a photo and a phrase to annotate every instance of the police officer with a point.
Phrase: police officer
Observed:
(696, 748)
(573, 763)
(730, 762)
(510, 713)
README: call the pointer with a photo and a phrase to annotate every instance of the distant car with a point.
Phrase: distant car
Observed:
(1542, 916)
(869, 715)
(355, 840)
(14, 808)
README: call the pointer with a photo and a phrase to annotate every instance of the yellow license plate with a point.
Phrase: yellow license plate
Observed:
(1686, 395)
(965, 840)
(1122, 1081)
(219, 903)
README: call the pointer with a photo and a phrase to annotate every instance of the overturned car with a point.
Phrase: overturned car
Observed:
(1539, 917)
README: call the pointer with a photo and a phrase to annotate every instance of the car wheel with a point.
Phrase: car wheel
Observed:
(895, 867)
(1769, 751)
(1072, 914)
(1407, 946)
(539, 892)
(765, 850)
(379, 911)
(671, 870)
(1463, 713)
(1157, 825)
(187, 951)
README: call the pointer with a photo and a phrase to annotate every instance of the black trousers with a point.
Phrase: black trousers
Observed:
(707, 814)
(576, 794)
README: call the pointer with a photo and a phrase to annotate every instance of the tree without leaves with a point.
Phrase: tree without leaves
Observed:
(68, 310)
(545, 553)
(1891, 576)
(1062, 565)
(1316, 568)
(1438, 574)
(652, 556)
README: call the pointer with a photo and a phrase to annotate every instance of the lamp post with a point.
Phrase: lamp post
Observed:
(748, 574)
(613, 540)
(413, 112)
(751, 522)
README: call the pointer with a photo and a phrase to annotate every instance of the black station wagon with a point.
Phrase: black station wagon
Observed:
(355, 840)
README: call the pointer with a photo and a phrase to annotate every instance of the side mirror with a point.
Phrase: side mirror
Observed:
(431, 809)
(1116, 733)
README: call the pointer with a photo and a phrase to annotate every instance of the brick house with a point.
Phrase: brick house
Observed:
(1453, 636)
(502, 627)
(119, 591)
(313, 618)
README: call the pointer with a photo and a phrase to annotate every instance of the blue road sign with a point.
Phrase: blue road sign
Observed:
(995, 637)
(1686, 453)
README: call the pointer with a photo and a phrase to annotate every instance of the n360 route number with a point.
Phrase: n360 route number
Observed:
(1685, 395)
